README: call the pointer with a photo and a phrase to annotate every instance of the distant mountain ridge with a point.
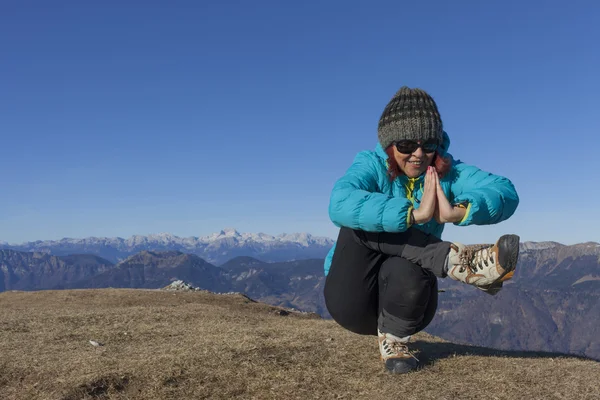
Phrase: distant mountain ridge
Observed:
(36, 271)
(150, 270)
(297, 284)
(216, 248)
(219, 247)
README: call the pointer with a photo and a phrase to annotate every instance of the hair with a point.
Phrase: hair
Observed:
(442, 164)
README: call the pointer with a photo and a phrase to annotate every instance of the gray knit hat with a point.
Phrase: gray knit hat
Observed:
(410, 114)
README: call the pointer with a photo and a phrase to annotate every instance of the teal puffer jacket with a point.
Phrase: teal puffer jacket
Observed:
(365, 199)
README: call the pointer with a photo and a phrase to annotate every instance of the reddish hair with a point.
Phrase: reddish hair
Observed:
(442, 165)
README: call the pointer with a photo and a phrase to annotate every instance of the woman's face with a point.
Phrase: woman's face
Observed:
(415, 163)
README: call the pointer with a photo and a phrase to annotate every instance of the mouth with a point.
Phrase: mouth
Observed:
(416, 163)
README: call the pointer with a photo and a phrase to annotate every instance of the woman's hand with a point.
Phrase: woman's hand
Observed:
(428, 202)
(445, 212)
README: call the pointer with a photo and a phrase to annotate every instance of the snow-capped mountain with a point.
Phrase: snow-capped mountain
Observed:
(216, 248)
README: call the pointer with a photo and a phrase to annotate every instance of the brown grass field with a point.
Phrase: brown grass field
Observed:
(198, 345)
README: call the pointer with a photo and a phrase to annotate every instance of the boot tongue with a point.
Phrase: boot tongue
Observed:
(394, 338)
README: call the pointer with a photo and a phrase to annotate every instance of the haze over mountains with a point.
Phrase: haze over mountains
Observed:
(552, 303)
(216, 248)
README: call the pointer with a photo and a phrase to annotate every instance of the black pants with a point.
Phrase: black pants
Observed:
(385, 280)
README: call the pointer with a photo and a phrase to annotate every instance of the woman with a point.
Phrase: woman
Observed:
(391, 206)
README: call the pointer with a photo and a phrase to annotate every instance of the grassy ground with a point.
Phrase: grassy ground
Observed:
(197, 345)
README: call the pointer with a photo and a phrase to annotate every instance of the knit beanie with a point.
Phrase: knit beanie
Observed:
(411, 114)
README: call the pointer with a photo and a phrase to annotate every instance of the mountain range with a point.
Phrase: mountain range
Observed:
(551, 304)
(216, 248)
(294, 284)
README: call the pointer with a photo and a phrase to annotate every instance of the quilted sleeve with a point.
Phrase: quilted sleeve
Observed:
(492, 198)
(357, 202)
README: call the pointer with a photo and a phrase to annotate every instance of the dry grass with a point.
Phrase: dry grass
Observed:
(195, 345)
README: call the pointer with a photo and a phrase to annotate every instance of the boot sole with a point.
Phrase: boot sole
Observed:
(508, 255)
(401, 367)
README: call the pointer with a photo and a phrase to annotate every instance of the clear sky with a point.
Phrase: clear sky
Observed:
(129, 117)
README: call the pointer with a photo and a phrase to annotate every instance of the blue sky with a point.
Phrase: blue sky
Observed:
(123, 117)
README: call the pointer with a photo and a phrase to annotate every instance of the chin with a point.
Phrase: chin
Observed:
(414, 175)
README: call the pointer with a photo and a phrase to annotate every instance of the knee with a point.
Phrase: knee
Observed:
(406, 301)
(407, 282)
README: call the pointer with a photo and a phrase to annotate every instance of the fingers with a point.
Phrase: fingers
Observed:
(427, 178)
(436, 177)
(432, 179)
(438, 185)
(429, 181)
(430, 176)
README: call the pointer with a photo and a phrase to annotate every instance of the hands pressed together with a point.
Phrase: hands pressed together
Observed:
(434, 203)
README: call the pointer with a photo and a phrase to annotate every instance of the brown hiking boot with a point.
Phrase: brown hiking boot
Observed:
(395, 353)
(485, 266)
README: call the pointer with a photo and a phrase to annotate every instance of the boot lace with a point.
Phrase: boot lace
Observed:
(399, 348)
(476, 256)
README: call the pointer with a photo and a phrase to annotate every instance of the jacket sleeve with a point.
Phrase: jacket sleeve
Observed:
(492, 198)
(357, 202)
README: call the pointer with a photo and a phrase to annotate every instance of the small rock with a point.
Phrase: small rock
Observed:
(95, 344)
(329, 339)
(181, 286)
(283, 313)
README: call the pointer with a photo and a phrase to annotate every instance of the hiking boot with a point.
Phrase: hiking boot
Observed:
(394, 352)
(485, 266)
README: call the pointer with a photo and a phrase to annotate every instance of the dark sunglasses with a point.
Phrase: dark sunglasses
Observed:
(410, 146)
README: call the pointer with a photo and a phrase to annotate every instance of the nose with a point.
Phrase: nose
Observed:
(418, 152)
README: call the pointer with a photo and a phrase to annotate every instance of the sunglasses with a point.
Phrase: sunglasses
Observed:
(410, 146)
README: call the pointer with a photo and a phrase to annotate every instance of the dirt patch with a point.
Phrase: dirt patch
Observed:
(100, 388)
